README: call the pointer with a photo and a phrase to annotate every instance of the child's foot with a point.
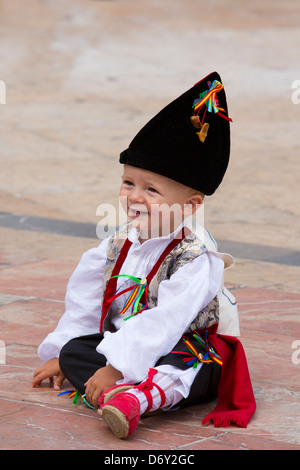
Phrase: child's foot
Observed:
(111, 392)
(121, 406)
(122, 414)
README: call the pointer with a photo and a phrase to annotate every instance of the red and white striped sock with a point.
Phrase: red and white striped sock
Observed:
(157, 391)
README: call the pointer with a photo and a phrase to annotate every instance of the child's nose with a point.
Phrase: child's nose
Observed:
(137, 195)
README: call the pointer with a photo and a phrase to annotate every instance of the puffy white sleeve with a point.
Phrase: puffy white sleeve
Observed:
(145, 338)
(82, 303)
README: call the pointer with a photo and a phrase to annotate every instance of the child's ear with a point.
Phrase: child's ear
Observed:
(193, 203)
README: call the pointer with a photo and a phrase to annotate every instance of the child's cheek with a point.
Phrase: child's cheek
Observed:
(123, 198)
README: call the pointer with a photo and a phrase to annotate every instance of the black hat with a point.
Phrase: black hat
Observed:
(189, 140)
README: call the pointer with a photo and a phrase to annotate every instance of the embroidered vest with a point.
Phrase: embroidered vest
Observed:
(188, 249)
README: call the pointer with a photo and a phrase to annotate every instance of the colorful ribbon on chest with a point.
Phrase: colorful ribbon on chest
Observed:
(137, 291)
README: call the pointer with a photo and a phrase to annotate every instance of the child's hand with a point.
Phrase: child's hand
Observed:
(49, 370)
(102, 379)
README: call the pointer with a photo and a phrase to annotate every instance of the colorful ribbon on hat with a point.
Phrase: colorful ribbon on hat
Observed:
(209, 98)
(134, 298)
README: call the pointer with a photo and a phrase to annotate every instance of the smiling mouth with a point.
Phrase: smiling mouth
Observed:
(135, 213)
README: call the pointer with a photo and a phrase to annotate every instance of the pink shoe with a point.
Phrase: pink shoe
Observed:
(121, 411)
(111, 392)
(122, 414)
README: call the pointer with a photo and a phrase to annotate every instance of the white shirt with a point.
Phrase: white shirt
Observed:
(140, 341)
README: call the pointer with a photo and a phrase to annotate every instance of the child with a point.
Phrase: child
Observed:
(155, 293)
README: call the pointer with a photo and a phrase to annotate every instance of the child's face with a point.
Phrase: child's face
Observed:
(155, 205)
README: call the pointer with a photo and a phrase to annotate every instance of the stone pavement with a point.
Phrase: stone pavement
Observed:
(81, 78)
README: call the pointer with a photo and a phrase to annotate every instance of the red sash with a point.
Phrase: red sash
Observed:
(236, 399)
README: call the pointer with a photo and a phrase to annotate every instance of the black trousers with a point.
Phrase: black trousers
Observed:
(79, 360)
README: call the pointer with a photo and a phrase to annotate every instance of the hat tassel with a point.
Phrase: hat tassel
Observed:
(203, 128)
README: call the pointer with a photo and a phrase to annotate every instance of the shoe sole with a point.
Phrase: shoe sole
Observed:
(116, 421)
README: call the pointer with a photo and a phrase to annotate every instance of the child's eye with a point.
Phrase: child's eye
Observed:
(128, 182)
(152, 190)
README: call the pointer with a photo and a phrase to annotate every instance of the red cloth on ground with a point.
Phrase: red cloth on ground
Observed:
(236, 399)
